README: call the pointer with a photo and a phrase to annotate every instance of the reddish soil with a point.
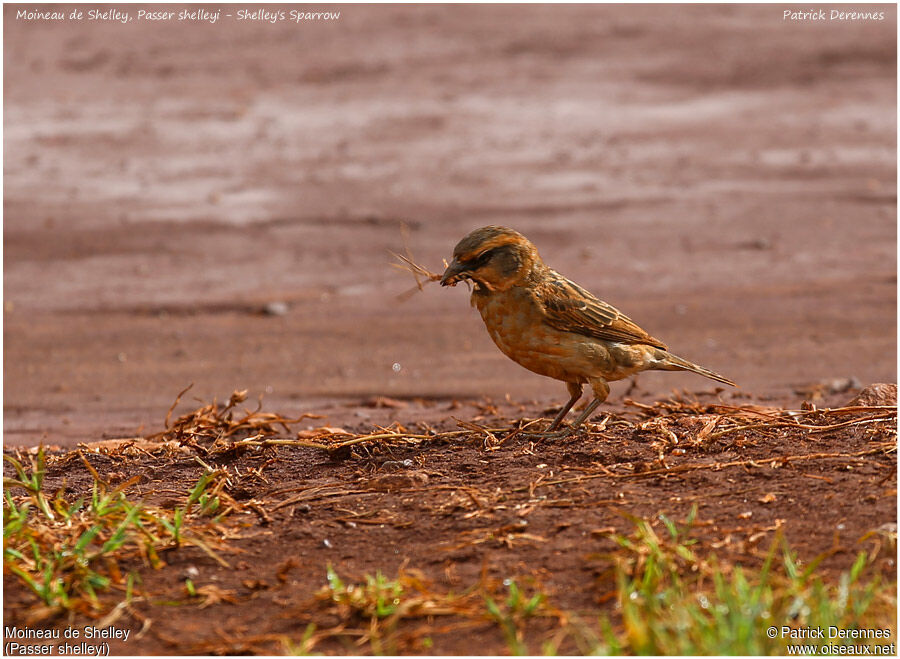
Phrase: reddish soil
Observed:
(725, 177)
(476, 508)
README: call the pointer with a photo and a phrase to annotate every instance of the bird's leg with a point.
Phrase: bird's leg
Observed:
(585, 414)
(601, 391)
(560, 434)
(575, 393)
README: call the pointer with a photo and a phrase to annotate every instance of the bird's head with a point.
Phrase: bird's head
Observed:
(494, 258)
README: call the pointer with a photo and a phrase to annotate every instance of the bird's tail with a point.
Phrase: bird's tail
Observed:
(670, 362)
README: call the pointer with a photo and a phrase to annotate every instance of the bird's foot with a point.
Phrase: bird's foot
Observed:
(569, 431)
(551, 434)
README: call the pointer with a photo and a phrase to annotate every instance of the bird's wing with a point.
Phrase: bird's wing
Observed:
(570, 308)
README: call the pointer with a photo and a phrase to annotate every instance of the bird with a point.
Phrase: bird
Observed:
(551, 325)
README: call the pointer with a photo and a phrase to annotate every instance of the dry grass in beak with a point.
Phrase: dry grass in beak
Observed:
(419, 272)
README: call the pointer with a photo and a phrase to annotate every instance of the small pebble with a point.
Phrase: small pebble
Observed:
(397, 464)
(276, 309)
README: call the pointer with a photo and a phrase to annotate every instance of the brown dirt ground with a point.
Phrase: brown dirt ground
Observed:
(726, 178)
(490, 507)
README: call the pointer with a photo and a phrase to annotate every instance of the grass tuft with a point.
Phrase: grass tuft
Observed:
(68, 551)
(671, 600)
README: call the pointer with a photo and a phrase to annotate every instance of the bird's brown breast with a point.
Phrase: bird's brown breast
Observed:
(514, 320)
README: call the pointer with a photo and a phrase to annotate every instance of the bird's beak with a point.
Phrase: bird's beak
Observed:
(453, 273)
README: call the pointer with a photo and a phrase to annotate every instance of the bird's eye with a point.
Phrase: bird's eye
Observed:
(484, 257)
(478, 262)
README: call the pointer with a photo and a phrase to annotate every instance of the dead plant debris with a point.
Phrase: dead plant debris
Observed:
(464, 501)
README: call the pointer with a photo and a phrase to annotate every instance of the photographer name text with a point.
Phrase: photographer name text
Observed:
(832, 15)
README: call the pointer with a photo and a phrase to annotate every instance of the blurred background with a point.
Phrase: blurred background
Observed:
(212, 203)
